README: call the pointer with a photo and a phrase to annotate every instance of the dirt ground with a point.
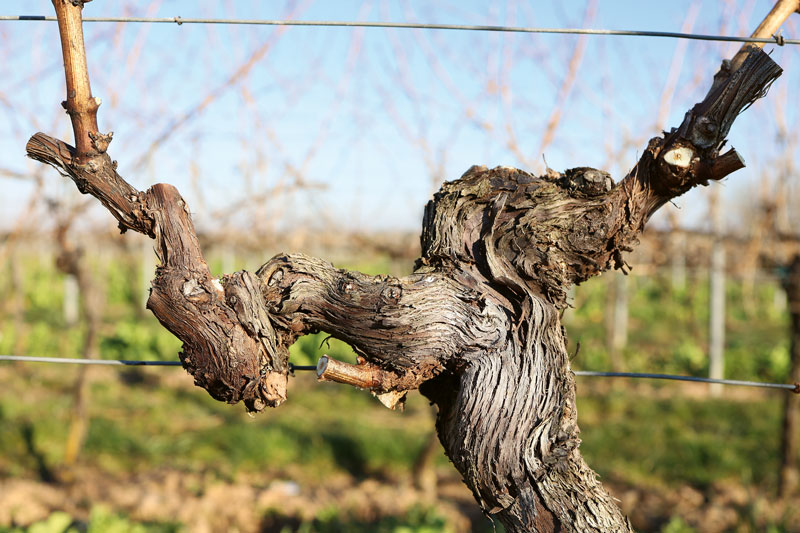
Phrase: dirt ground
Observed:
(254, 503)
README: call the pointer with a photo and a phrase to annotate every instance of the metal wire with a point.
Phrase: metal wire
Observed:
(786, 386)
(122, 362)
(67, 360)
(114, 362)
(776, 39)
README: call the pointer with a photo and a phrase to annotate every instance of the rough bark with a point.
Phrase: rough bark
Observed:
(476, 327)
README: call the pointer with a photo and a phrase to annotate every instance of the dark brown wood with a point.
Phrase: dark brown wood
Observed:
(500, 248)
(229, 344)
(97, 177)
(476, 327)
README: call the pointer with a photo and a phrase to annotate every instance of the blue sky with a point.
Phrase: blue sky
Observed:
(357, 127)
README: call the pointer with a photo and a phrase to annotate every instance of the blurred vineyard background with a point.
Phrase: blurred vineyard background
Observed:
(332, 148)
(161, 455)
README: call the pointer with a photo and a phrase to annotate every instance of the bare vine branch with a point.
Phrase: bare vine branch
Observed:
(80, 104)
(476, 328)
(768, 28)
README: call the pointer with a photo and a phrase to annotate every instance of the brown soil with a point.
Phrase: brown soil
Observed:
(203, 503)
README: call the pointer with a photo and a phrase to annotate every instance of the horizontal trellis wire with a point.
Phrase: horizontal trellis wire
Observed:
(589, 373)
(111, 362)
(735, 382)
(777, 39)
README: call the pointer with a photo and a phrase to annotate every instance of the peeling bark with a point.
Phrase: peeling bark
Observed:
(476, 327)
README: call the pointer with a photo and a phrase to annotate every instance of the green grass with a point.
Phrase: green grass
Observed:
(143, 419)
(668, 329)
(677, 440)
(417, 520)
(324, 427)
(101, 520)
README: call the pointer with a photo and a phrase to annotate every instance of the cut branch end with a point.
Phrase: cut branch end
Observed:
(363, 376)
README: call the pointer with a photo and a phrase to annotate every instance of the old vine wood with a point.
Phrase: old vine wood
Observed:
(476, 328)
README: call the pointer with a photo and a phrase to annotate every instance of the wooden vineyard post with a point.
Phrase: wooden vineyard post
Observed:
(617, 318)
(716, 296)
(71, 303)
(677, 252)
(790, 429)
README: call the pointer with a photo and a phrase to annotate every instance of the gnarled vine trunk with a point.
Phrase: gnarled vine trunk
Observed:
(476, 327)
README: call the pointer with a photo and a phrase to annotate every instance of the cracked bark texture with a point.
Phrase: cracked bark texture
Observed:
(476, 328)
